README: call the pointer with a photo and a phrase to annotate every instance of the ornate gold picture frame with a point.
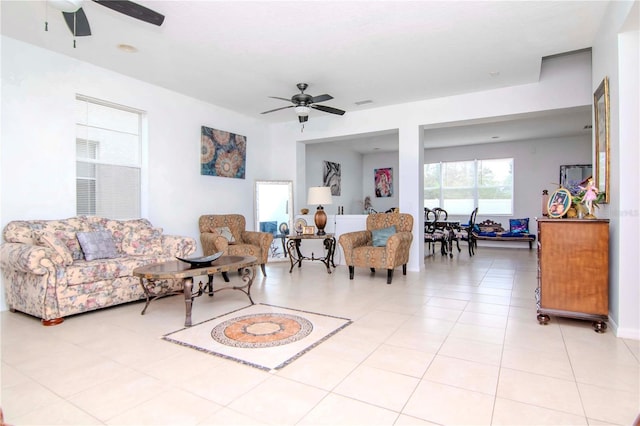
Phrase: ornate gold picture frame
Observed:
(601, 131)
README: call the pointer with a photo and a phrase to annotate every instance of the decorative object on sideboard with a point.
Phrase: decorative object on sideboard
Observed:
(304, 211)
(299, 225)
(559, 203)
(587, 199)
(545, 203)
(601, 131)
(320, 195)
(367, 207)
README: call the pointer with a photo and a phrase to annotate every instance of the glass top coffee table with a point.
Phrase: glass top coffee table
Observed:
(176, 269)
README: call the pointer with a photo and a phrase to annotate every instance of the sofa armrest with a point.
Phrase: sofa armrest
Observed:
(351, 240)
(256, 238)
(398, 246)
(179, 246)
(29, 258)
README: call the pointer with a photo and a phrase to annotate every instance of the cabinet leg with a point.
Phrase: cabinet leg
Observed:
(543, 319)
(599, 326)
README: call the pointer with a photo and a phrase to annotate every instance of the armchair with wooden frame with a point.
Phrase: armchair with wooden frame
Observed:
(359, 249)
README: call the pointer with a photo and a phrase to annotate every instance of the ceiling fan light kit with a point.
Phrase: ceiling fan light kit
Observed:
(302, 104)
(68, 6)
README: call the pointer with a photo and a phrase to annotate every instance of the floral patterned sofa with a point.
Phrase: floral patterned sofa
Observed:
(45, 273)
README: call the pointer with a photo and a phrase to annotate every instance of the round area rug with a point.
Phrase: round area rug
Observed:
(262, 330)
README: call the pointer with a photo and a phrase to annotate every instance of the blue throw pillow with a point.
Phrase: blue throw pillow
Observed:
(519, 226)
(380, 236)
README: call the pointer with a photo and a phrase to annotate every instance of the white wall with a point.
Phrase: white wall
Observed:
(615, 54)
(351, 172)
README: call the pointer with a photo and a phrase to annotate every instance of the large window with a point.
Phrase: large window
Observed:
(108, 159)
(460, 186)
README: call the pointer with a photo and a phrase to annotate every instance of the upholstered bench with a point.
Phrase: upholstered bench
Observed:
(493, 231)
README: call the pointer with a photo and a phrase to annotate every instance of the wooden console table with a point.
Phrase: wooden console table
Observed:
(296, 257)
(573, 270)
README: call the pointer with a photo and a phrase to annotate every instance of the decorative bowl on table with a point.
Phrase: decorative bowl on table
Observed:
(201, 262)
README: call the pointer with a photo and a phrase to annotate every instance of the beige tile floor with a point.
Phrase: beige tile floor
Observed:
(457, 344)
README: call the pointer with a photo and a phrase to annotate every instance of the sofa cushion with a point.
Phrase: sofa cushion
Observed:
(121, 228)
(87, 271)
(225, 232)
(380, 236)
(143, 241)
(97, 245)
(519, 226)
(48, 239)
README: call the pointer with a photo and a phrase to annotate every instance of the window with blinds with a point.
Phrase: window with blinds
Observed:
(108, 159)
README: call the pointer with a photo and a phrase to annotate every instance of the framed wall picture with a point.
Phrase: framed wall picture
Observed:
(222, 153)
(308, 230)
(559, 203)
(383, 181)
(601, 129)
(332, 176)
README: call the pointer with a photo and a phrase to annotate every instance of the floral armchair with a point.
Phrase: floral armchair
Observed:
(226, 233)
(360, 247)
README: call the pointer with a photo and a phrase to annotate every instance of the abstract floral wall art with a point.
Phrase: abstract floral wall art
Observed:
(222, 153)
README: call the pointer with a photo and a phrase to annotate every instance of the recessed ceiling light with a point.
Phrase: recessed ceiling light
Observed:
(127, 48)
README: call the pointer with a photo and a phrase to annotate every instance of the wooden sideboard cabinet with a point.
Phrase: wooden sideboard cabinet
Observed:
(573, 270)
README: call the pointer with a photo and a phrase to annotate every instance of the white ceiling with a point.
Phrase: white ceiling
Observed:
(236, 54)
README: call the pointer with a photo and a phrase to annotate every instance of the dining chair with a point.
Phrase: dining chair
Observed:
(467, 233)
(432, 232)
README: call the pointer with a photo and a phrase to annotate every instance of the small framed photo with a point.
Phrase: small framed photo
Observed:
(308, 230)
(559, 203)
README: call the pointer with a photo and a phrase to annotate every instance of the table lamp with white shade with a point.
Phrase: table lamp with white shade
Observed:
(320, 195)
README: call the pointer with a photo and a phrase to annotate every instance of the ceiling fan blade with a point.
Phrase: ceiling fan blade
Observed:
(303, 118)
(77, 22)
(277, 109)
(133, 10)
(282, 99)
(321, 98)
(328, 109)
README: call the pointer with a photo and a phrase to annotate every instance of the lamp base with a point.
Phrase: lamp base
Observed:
(321, 220)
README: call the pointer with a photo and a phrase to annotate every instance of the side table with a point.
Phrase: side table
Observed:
(296, 257)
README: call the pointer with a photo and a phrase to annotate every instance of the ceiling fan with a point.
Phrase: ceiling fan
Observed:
(77, 20)
(302, 103)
